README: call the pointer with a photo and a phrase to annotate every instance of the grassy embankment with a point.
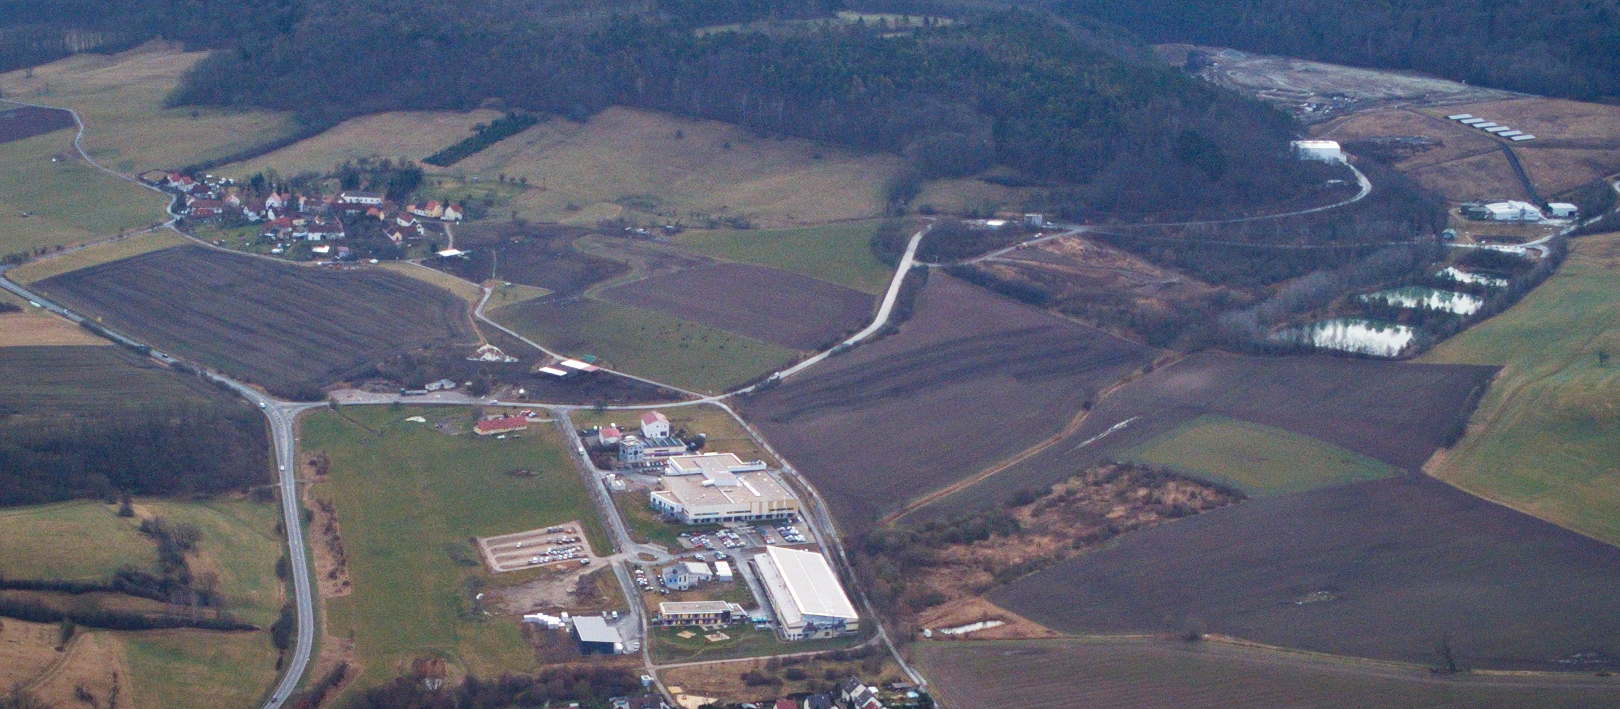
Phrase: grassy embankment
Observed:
(649, 344)
(837, 253)
(405, 495)
(1259, 460)
(1546, 438)
(172, 668)
(96, 255)
(66, 200)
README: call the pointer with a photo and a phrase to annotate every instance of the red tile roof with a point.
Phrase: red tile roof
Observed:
(500, 424)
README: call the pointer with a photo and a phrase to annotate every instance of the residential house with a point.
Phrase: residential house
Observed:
(855, 695)
(654, 424)
(608, 435)
(361, 198)
(818, 701)
(452, 213)
(431, 210)
(684, 575)
(205, 208)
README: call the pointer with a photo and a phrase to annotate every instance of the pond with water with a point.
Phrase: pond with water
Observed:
(1453, 273)
(1427, 299)
(1372, 337)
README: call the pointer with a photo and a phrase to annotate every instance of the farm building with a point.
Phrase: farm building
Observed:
(715, 494)
(654, 425)
(700, 613)
(595, 637)
(1320, 150)
(500, 424)
(1562, 210)
(804, 594)
(684, 575)
(1512, 211)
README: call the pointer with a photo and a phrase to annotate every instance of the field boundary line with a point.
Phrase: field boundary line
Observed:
(1040, 447)
(60, 662)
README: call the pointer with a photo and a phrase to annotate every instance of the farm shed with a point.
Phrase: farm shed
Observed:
(595, 637)
(500, 424)
(1320, 150)
(804, 594)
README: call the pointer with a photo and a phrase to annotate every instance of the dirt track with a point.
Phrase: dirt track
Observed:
(971, 379)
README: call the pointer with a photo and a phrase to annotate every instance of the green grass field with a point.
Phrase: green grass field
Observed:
(1145, 673)
(645, 343)
(839, 253)
(239, 545)
(67, 200)
(85, 378)
(1546, 438)
(175, 669)
(406, 493)
(121, 100)
(1259, 460)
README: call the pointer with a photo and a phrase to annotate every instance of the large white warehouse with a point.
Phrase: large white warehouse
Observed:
(804, 594)
(1322, 150)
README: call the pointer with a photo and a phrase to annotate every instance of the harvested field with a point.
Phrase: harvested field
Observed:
(779, 307)
(1259, 460)
(1384, 569)
(28, 121)
(541, 255)
(36, 329)
(72, 379)
(1126, 673)
(287, 328)
(972, 378)
(1549, 119)
(1488, 176)
(1392, 412)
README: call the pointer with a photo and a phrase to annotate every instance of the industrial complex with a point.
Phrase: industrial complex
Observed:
(804, 594)
(720, 487)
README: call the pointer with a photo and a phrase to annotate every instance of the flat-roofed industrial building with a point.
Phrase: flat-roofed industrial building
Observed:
(804, 594)
(711, 492)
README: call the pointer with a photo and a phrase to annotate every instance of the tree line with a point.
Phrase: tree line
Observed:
(183, 450)
(1567, 48)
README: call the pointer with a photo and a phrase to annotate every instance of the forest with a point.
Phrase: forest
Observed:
(1565, 48)
(1017, 88)
(195, 450)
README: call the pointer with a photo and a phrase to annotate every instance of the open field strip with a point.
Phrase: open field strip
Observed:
(1146, 673)
(411, 135)
(65, 379)
(1259, 460)
(409, 498)
(647, 343)
(466, 290)
(34, 328)
(95, 255)
(1546, 438)
(50, 197)
(838, 253)
(120, 97)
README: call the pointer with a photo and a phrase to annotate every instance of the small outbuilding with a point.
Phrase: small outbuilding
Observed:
(595, 637)
(1562, 210)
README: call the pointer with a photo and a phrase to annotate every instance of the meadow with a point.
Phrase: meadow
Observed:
(1546, 437)
(405, 494)
(646, 343)
(836, 253)
(50, 197)
(120, 98)
(1141, 673)
(158, 669)
(411, 135)
(1259, 460)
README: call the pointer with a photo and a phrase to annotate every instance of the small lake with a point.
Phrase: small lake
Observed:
(1352, 335)
(1427, 299)
(1456, 274)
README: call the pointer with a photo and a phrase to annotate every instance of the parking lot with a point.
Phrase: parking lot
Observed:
(535, 548)
(784, 533)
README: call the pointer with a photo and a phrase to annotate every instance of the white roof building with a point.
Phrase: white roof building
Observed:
(804, 594)
(596, 637)
(1322, 150)
(1513, 211)
(702, 489)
